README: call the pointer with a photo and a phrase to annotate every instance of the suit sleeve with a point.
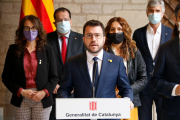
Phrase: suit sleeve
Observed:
(66, 84)
(158, 82)
(123, 85)
(141, 79)
(7, 75)
(134, 35)
(52, 74)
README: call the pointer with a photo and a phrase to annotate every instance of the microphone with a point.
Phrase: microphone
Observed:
(94, 78)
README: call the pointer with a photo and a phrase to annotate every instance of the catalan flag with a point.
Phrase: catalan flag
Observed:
(43, 9)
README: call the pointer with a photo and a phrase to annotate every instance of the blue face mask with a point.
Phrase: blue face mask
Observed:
(154, 18)
(63, 27)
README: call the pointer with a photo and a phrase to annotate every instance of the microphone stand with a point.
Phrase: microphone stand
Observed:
(93, 87)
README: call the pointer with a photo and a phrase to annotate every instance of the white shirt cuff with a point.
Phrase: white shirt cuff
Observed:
(174, 90)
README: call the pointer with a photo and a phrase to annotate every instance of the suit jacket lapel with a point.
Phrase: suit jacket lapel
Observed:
(71, 43)
(175, 47)
(163, 31)
(144, 41)
(84, 70)
(55, 44)
(20, 62)
(39, 65)
(104, 68)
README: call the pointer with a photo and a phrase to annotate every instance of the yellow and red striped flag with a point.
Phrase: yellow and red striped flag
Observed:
(43, 9)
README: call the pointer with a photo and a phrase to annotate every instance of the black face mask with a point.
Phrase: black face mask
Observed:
(116, 38)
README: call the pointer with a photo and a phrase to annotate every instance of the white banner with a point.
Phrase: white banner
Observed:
(92, 108)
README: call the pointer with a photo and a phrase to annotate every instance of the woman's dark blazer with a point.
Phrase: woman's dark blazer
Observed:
(136, 75)
(13, 75)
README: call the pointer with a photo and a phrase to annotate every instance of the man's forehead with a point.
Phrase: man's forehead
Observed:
(93, 29)
(62, 13)
(156, 7)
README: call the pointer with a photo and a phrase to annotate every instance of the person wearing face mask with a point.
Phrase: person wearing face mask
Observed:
(30, 71)
(119, 42)
(165, 80)
(148, 39)
(66, 43)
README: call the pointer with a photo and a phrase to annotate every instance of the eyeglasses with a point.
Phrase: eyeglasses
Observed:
(60, 20)
(90, 35)
(27, 28)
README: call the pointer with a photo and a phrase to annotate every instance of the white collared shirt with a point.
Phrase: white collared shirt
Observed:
(60, 40)
(90, 62)
(125, 64)
(153, 40)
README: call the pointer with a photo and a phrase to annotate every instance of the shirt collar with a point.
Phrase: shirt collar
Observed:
(26, 50)
(67, 35)
(159, 28)
(150, 29)
(90, 56)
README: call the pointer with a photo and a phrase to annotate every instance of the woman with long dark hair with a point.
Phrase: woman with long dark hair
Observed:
(30, 71)
(119, 42)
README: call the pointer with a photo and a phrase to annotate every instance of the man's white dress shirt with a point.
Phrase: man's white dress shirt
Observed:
(153, 40)
(60, 40)
(90, 62)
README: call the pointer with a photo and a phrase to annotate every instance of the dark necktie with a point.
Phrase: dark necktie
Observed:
(64, 48)
(95, 71)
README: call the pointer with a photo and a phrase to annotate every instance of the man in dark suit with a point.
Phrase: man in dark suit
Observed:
(166, 76)
(65, 42)
(95, 66)
(148, 39)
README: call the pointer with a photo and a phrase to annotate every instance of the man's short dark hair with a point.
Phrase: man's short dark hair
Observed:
(93, 23)
(177, 10)
(61, 9)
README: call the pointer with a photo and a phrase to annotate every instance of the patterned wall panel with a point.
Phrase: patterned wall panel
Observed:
(169, 16)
